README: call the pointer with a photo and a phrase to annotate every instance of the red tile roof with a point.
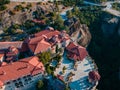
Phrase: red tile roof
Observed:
(35, 40)
(52, 33)
(5, 45)
(41, 41)
(47, 33)
(3, 64)
(38, 43)
(18, 44)
(76, 52)
(42, 46)
(32, 47)
(43, 32)
(23, 67)
(94, 76)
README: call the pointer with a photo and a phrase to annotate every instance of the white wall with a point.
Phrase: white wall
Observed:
(1, 59)
(30, 85)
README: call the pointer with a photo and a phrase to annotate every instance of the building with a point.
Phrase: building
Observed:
(76, 52)
(9, 51)
(20, 45)
(21, 75)
(12, 54)
(1, 57)
(47, 40)
(94, 76)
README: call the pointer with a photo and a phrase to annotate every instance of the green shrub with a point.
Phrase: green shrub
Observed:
(2, 7)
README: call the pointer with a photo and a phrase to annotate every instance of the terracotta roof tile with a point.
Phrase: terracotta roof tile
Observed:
(42, 46)
(23, 67)
(76, 52)
(5, 45)
(3, 63)
(43, 32)
(44, 40)
(35, 40)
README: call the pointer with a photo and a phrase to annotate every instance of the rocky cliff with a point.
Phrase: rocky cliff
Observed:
(6, 19)
(105, 49)
(78, 32)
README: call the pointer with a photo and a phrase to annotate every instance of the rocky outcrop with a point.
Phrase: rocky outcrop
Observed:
(105, 49)
(110, 26)
(19, 18)
(85, 36)
(78, 32)
(44, 10)
(73, 24)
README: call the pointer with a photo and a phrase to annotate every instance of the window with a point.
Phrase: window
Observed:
(8, 83)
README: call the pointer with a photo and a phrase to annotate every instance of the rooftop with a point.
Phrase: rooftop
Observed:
(76, 52)
(23, 67)
(5, 45)
(45, 39)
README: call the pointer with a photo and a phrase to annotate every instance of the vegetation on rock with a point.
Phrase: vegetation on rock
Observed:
(116, 6)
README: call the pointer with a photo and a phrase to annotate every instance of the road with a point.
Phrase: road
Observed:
(108, 7)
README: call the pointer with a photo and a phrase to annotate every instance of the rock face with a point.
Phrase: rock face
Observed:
(85, 36)
(105, 49)
(110, 26)
(43, 10)
(7, 19)
(79, 32)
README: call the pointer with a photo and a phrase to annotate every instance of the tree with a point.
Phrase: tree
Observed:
(76, 10)
(2, 7)
(58, 22)
(45, 57)
(40, 84)
(66, 88)
(3, 2)
(56, 50)
(18, 7)
(69, 14)
(48, 70)
(64, 68)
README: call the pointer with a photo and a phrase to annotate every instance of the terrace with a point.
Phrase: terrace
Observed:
(75, 73)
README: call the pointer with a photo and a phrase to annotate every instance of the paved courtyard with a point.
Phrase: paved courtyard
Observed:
(80, 78)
